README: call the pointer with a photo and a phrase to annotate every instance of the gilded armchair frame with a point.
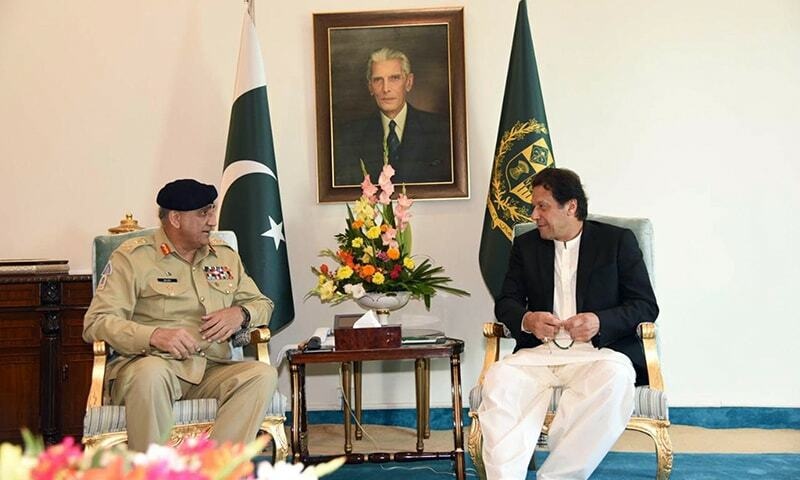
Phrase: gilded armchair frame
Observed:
(655, 428)
(272, 424)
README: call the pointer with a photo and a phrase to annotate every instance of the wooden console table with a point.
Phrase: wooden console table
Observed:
(420, 353)
(44, 363)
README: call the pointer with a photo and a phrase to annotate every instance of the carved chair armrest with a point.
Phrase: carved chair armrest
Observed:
(260, 337)
(647, 332)
(493, 331)
(98, 375)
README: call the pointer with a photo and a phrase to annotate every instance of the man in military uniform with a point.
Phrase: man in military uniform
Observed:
(169, 303)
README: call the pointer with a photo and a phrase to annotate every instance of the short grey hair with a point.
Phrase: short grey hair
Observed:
(162, 214)
(386, 53)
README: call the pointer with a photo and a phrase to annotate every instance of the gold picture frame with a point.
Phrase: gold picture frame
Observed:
(433, 164)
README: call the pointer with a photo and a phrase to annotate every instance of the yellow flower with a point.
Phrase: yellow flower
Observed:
(364, 211)
(326, 290)
(357, 242)
(378, 278)
(13, 463)
(408, 263)
(373, 232)
(344, 272)
(321, 279)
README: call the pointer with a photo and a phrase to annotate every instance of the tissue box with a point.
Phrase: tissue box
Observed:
(349, 338)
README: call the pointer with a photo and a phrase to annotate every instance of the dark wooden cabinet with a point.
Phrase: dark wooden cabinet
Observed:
(45, 366)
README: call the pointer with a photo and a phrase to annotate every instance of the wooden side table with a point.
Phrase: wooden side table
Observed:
(421, 354)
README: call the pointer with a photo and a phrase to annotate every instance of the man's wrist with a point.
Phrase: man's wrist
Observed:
(246, 317)
(523, 324)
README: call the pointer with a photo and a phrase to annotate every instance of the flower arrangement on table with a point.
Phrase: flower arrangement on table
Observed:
(374, 251)
(196, 458)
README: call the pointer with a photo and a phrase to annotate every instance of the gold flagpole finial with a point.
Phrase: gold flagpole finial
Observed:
(251, 9)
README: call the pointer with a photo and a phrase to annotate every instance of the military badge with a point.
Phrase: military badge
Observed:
(522, 153)
(104, 277)
(217, 273)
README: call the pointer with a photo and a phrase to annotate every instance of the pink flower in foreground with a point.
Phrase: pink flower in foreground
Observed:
(368, 189)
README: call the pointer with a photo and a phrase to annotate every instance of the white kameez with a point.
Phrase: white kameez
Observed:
(595, 406)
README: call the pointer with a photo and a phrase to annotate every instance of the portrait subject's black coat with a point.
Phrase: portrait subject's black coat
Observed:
(424, 155)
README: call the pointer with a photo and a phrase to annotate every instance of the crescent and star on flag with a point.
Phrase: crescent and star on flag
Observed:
(239, 169)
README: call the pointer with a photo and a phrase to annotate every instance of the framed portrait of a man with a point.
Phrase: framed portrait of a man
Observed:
(390, 88)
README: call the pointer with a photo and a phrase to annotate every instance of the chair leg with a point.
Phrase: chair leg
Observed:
(475, 445)
(277, 431)
(658, 431)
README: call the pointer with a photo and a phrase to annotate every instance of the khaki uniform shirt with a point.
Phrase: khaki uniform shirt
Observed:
(147, 285)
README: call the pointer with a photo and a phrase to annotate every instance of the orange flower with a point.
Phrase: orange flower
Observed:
(393, 253)
(357, 224)
(324, 269)
(384, 227)
(367, 271)
(346, 257)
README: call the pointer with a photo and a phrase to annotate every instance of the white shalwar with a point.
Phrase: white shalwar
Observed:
(595, 406)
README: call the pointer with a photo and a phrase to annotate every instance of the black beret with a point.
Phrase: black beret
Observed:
(186, 194)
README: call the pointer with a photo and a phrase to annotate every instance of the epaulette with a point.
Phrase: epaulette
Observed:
(134, 243)
(218, 242)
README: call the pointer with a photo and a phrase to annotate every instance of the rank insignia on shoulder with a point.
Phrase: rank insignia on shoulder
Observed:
(165, 249)
(218, 272)
(104, 278)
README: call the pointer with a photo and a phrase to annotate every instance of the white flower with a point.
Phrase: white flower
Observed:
(161, 454)
(357, 290)
(284, 471)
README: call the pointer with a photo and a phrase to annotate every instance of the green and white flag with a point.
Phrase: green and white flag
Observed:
(250, 200)
(523, 149)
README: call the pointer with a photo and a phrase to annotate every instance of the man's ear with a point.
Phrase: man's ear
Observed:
(174, 218)
(409, 82)
(572, 207)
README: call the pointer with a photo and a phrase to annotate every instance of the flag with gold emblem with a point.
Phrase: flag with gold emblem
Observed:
(523, 148)
(250, 199)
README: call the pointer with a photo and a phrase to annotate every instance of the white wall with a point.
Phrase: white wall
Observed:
(684, 111)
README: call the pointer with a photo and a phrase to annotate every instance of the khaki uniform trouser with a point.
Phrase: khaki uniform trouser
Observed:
(148, 388)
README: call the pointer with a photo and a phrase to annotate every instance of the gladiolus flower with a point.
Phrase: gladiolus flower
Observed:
(401, 213)
(326, 290)
(373, 233)
(364, 211)
(368, 189)
(393, 253)
(385, 182)
(378, 278)
(357, 224)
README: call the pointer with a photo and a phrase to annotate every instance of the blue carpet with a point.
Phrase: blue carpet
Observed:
(616, 466)
(708, 417)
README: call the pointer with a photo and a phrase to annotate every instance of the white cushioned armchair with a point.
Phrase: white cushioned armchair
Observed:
(650, 412)
(105, 425)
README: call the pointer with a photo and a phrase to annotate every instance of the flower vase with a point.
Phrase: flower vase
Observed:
(383, 303)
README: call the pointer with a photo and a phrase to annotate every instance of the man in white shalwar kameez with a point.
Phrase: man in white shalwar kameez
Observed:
(572, 298)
